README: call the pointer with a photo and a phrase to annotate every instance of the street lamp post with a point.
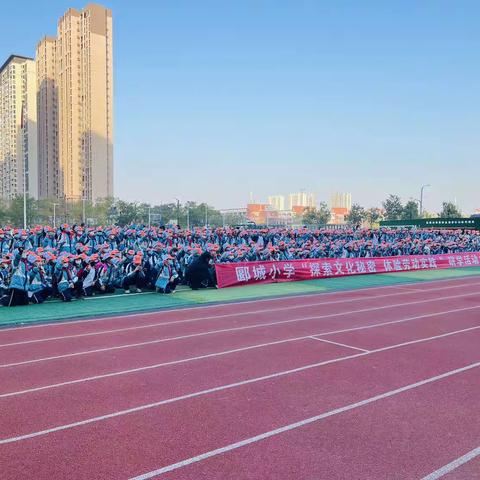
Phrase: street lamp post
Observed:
(178, 211)
(83, 210)
(54, 215)
(24, 196)
(421, 198)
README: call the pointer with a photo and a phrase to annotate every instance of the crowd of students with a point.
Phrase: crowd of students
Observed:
(76, 261)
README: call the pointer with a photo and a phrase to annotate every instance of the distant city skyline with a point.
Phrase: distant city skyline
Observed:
(217, 99)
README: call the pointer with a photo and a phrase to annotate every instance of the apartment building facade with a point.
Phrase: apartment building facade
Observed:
(75, 91)
(18, 128)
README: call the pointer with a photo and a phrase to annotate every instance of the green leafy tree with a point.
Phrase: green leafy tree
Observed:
(410, 210)
(143, 210)
(393, 207)
(234, 218)
(15, 211)
(126, 212)
(79, 210)
(429, 215)
(373, 216)
(317, 216)
(44, 211)
(197, 215)
(449, 210)
(310, 216)
(3, 212)
(102, 212)
(168, 213)
(356, 215)
(324, 214)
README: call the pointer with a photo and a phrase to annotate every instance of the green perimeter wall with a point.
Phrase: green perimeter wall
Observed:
(467, 223)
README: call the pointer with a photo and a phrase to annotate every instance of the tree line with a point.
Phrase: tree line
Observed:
(393, 209)
(192, 214)
(113, 211)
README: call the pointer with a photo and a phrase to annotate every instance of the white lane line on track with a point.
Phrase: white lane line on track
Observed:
(302, 423)
(235, 329)
(417, 290)
(246, 302)
(450, 467)
(225, 387)
(334, 343)
(227, 352)
(103, 297)
(215, 317)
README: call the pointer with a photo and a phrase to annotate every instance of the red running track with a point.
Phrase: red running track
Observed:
(373, 384)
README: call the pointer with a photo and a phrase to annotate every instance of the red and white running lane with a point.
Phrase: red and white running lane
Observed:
(442, 315)
(24, 409)
(96, 325)
(465, 467)
(402, 437)
(132, 443)
(331, 315)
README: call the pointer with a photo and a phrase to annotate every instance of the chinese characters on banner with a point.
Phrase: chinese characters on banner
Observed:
(247, 273)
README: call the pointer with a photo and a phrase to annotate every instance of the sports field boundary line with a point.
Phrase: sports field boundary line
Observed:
(453, 465)
(228, 315)
(226, 330)
(228, 352)
(226, 387)
(151, 311)
(301, 423)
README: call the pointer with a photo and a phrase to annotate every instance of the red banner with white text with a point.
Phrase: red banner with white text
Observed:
(249, 273)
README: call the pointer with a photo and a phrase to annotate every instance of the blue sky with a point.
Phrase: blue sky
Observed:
(216, 99)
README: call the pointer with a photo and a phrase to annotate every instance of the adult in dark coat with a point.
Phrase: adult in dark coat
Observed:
(199, 273)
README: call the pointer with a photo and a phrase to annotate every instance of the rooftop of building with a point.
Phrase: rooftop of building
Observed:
(13, 57)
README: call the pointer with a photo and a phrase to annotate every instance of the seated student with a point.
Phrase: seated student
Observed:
(65, 280)
(86, 279)
(106, 275)
(167, 276)
(18, 287)
(134, 275)
(199, 274)
(76, 270)
(4, 275)
(38, 289)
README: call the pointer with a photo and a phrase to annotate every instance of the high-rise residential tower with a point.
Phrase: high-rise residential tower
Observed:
(50, 184)
(342, 200)
(18, 128)
(75, 87)
(301, 199)
(277, 202)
